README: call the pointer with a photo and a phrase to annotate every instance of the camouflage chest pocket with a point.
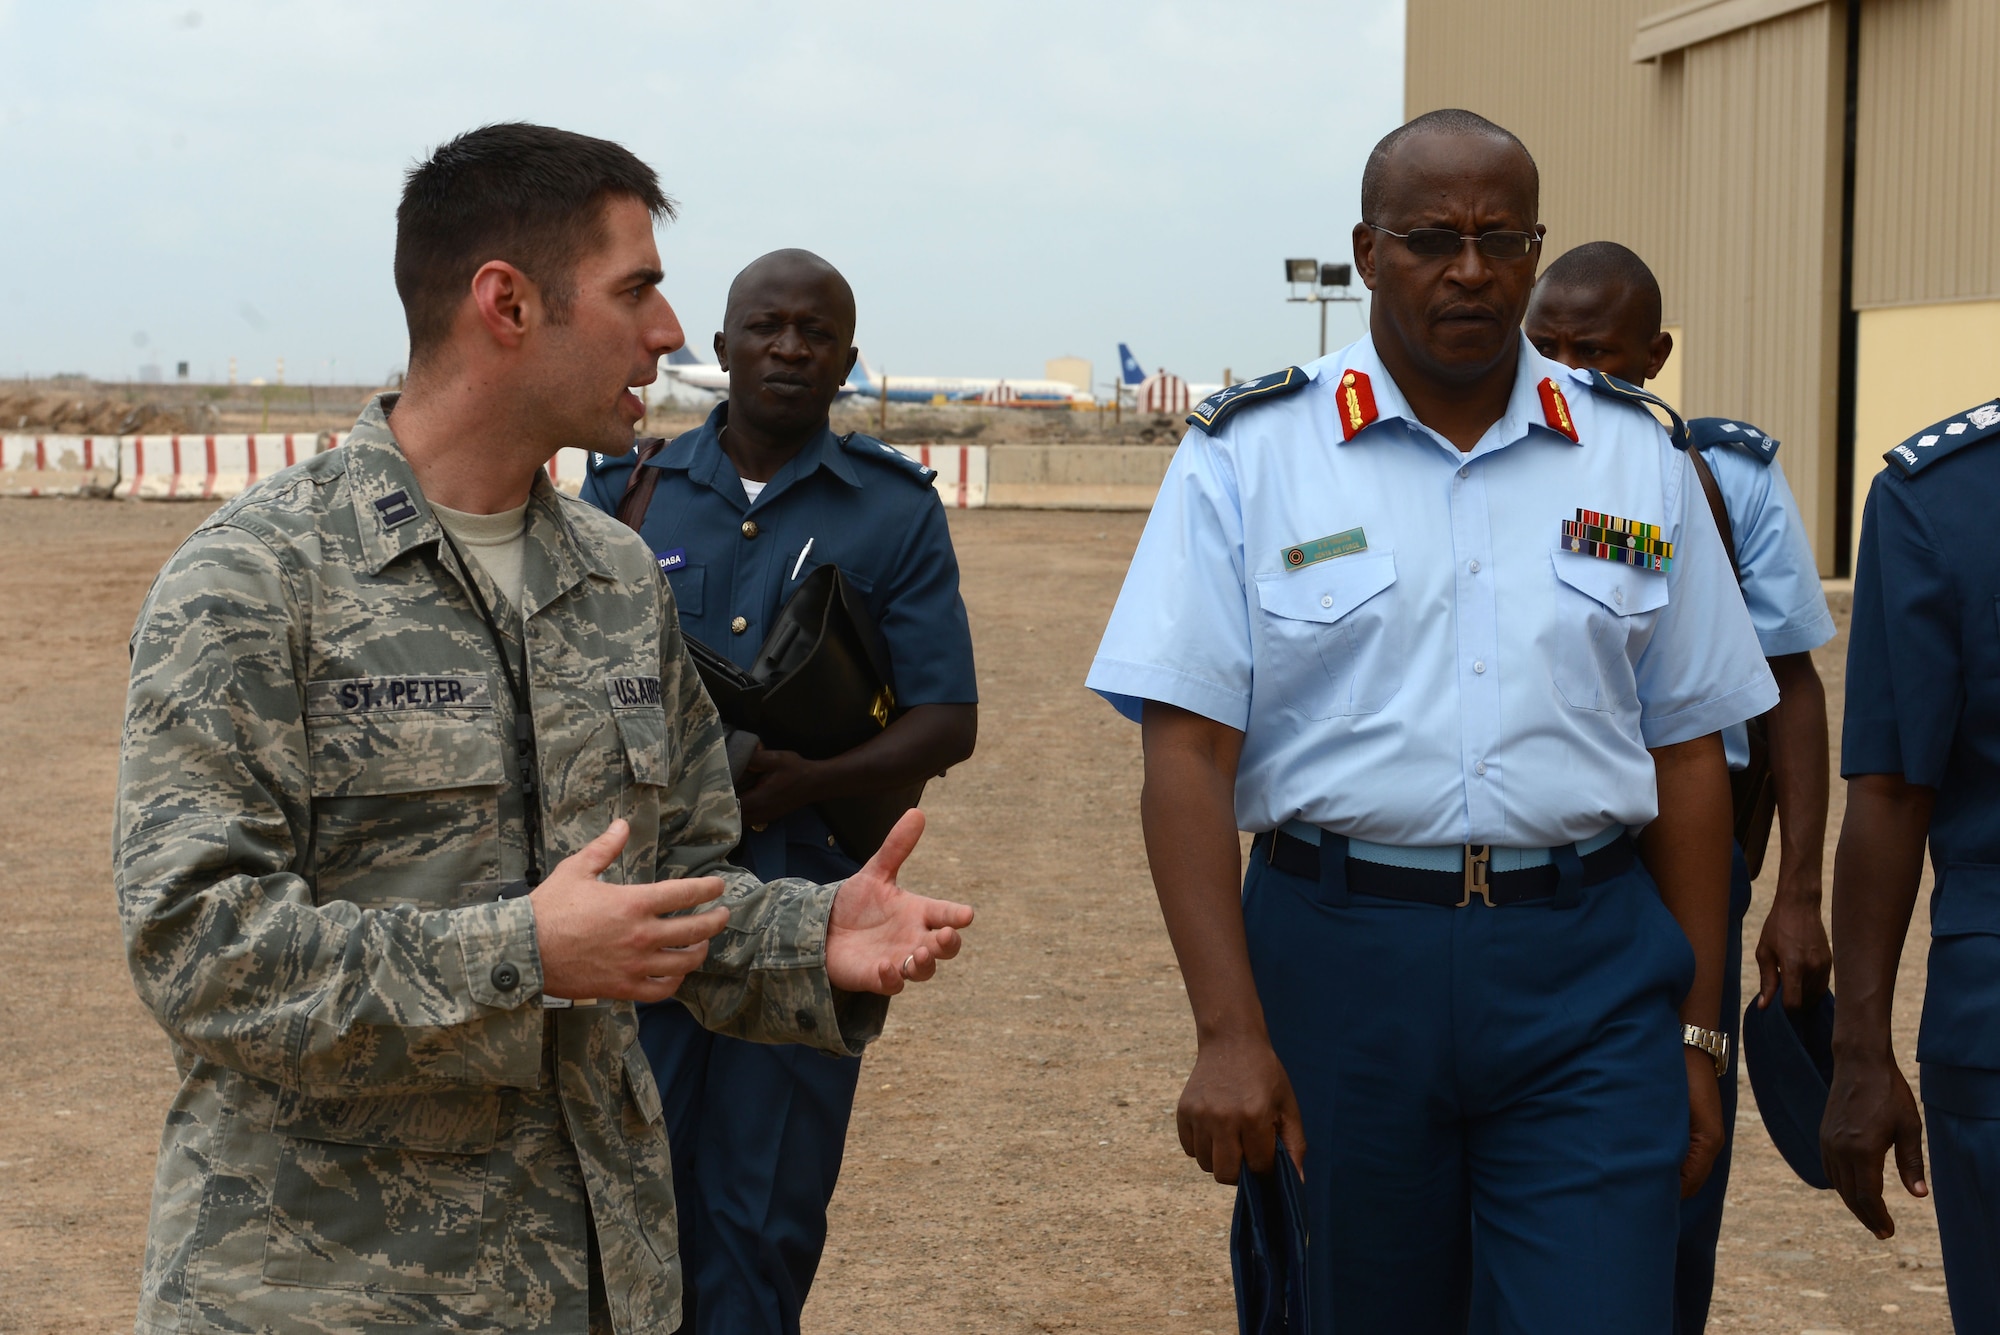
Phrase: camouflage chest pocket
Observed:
(385, 1194)
(645, 767)
(406, 777)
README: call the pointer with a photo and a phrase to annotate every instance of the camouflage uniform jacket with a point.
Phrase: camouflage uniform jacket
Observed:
(379, 1125)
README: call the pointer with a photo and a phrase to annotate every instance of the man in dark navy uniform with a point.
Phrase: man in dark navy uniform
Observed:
(1920, 749)
(744, 509)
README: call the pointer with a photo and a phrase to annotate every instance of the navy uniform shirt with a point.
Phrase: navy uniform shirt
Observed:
(733, 563)
(1923, 701)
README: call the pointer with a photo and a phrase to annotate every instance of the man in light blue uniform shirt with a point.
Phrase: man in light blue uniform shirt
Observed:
(1441, 621)
(1597, 307)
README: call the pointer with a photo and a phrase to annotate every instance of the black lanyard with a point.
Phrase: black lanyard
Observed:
(524, 720)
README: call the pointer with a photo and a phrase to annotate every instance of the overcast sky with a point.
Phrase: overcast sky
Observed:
(1002, 182)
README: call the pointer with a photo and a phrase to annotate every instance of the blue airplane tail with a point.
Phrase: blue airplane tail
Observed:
(862, 377)
(683, 356)
(1129, 370)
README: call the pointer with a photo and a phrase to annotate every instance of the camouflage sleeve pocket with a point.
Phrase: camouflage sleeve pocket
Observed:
(645, 1091)
(643, 738)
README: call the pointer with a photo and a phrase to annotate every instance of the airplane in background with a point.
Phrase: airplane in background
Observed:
(1131, 375)
(685, 371)
(963, 389)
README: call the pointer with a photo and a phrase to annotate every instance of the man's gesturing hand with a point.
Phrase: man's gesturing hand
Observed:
(882, 936)
(603, 940)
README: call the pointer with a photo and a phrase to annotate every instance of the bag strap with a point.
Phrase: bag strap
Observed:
(641, 481)
(1715, 507)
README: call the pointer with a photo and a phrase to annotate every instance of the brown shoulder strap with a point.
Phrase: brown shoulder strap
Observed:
(641, 481)
(1715, 507)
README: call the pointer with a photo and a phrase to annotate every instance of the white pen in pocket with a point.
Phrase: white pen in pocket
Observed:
(799, 564)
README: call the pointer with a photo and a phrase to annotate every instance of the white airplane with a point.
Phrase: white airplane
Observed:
(1131, 375)
(684, 371)
(964, 389)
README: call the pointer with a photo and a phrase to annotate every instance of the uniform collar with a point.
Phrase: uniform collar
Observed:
(700, 455)
(1524, 411)
(392, 517)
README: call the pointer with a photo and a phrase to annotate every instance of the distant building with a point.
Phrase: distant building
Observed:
(1070, 370)
(1835, 279)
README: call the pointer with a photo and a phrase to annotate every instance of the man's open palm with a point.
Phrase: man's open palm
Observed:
(881, 936)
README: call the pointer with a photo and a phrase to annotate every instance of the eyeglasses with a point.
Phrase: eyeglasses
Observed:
(1436, 243)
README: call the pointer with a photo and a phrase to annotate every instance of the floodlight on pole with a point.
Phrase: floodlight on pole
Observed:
(1324, 283)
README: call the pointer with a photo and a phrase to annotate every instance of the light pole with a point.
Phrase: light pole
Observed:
(1322, 283)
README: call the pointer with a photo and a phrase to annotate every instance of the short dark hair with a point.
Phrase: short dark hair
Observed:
(1448, 120)
(526, 194)
(1603, 265)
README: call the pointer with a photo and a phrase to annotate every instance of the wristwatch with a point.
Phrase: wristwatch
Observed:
(1714, 1043)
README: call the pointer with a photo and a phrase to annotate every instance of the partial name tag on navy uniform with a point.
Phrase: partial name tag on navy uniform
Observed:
(392, 695)
(672, 559)
(1325, 549)
(633, 692)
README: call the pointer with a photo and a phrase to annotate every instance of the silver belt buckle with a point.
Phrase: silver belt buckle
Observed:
(1478, 857)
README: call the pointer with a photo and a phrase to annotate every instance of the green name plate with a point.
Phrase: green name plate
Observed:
(1325, 549)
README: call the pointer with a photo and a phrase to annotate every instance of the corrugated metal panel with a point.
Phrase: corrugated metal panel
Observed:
(1927, 163)
(1606, 132)
(1762, 154)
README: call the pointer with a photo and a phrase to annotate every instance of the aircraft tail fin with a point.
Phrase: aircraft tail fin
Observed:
(862, 377)
(683, 356)
(1129, 370)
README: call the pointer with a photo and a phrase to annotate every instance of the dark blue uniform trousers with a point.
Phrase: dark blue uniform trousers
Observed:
(1965, 1183)
(756, 1132)
(1495, 1103)
(1701, 1213)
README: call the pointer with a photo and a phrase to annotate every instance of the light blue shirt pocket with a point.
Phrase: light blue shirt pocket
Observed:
(1612, 600)
(1335, 638)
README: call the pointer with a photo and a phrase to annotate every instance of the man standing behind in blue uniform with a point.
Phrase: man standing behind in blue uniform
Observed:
(1597, 307)
(1920, 749)
(745, 508)
(1436, 617)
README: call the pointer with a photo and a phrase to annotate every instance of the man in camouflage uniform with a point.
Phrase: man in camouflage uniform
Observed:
(412, 1095)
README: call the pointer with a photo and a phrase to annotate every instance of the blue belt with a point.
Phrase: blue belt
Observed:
(1451, 874)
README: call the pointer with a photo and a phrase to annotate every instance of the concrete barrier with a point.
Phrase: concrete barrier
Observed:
(194, 468)
(1075, 477)
(58, 465)
(568, 469)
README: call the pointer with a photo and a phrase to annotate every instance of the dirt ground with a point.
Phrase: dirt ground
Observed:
(1013, 1165)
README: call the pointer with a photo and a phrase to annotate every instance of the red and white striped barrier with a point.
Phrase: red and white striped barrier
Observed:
(58, 465)
(1163, 392)
(961, 472)
(568, 469)
(192, 468)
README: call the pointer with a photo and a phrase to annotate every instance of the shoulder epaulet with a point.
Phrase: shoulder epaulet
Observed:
(1947, 437)
(1209, 413)
(1711, 431)
(1614, 388)
(867, 447)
